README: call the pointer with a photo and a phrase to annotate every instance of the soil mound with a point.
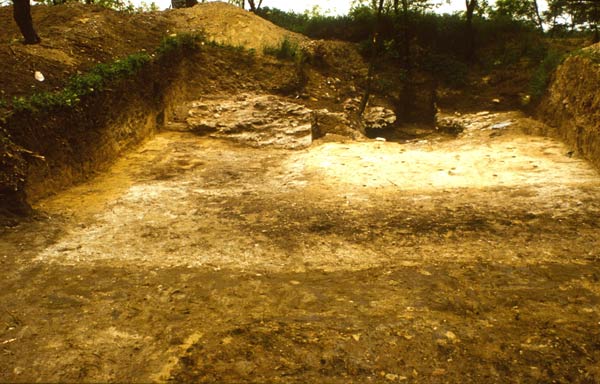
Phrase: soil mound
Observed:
(76, 36)
(572, 103)
(230, 25)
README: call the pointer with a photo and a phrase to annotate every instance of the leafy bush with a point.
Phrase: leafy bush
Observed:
(500, 39)
(541, 78)
(287, 50)
(186, 41)
(447, 69)
(350, 28)
(505, 42)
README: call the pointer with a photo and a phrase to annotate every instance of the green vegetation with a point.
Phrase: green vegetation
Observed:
(287, 50)
(507, 31)
(506, 35)
(592, 55)
(447, 69)
(542, 76)
(573, 16)
(410, 37)
(102, 75)
(543, 73)
(81, 85)
(319, 26)
(180, 42)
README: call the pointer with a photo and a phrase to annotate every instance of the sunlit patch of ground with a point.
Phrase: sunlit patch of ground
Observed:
(188, 201)
(516, 162)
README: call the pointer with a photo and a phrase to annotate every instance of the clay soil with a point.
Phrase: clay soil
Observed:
(195, 260)
(444, 259)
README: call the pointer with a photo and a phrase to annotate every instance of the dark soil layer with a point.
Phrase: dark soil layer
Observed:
(440, 323)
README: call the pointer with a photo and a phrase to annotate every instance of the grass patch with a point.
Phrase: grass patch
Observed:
(286, 50)
(102, 75)
(592, 55)
(187, 41)
(81, 85)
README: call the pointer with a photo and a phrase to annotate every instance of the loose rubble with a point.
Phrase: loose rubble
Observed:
(251, 119)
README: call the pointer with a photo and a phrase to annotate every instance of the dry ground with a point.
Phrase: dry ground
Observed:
(470, 259)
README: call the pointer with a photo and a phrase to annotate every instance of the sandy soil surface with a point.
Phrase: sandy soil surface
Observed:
(458, 260)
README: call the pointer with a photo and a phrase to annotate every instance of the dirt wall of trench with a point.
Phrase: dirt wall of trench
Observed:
(572, 104)
(78, 142)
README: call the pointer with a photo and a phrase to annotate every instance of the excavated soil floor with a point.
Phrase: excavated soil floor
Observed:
(441, 260)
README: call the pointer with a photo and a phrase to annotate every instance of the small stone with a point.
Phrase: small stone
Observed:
(451, 336)
(501, 125)
(39, 76)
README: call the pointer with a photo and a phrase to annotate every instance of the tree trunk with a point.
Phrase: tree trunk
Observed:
(375, 42)
(407, 37)
(469, 38)
(595, 17)
(22, 16)
(253, 6)
(536, 9)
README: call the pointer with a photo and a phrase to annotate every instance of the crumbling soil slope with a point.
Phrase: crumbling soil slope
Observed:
(572, 103)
